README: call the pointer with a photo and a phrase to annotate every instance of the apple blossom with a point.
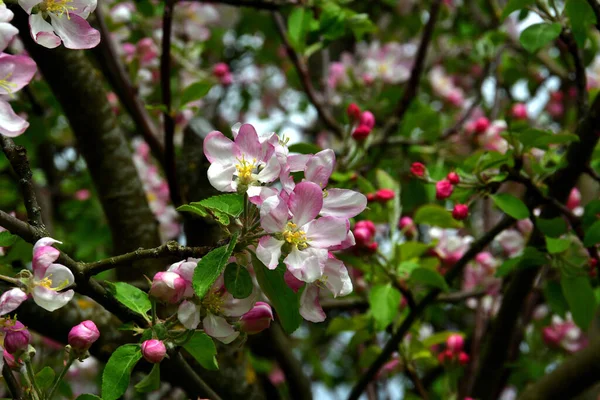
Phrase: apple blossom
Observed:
(455, 343)
(453, 178)
(16, 337)
(7, 30)
(67, 23)
(418, 169)
(407, 226)
(443, 189)
(11, 300)
(519, 111)
(83, 335)
(154, 351)
(168, 287)
(15, 73)
(257, 319)
(367, 119)
(460, 211)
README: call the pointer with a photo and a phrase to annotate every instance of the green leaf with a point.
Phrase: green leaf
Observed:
(202, 348)
(360, 24)
(7, 239)
(511, 205)
(283, 298)
(554, 227)
(384, 301)
(581, 15)
(393, 208)
(210, 267)
(555, 298)
(438, 338)
(222, 207)
(539, 35)
(432, 214)
(557, 245)
(429, 277)
(117, 372)
(592, 235)
(194, 92)
(88, 397)
(531, 257)
(304, 148)
(192, 209)
(131, 297)
(514, 5)
(45, 378)
(580, 297)
(151, 381)
(298, 26)
(238, 281)
(410, 250)
(541, 139)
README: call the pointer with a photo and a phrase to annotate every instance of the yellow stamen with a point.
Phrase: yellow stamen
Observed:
(295, 236)
(6, 84)
(58, 7)
(213, 303)
(47, 283)
(245, 170)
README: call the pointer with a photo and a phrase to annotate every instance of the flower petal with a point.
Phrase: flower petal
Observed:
(83, 8)
(11, 124)
(188, 314)
(218, 148)
(248, 143)
(233, 307)
(343, 203)
(270, 172)
(274, 215)
(49, 299)
(75, 32)
(305, 202)
(220, 176)
(326, 232)
(218, 328)
(17, 70)
(319, 167)
(61, 276)
(42, 32)
(7, 33)
(43, 257)
(306, 265)
(268, 251)
(297, 162)
(338, 281)
(258, 194)
(11, 300)
(27, 5)
(310, 308)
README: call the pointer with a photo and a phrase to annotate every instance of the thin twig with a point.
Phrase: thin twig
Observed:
(304, 75)
(17, 156)
(165, 86)
(15, 388)
(192, 376)
(392, 345)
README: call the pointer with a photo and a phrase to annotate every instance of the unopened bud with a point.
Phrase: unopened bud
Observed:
(154, 350)
(83, 335)
(257, 319)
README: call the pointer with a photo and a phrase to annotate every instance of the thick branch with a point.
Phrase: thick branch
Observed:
(17, 156)
(304, 75)
(392, 345)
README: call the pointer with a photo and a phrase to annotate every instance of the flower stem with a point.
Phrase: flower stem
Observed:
(61, 375)
(31, 375)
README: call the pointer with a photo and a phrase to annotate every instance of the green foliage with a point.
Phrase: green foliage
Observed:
(7, 239)
(511, 205)
(537, 138)
(151, 381)
(592, 235)
(429, 277)
(299, 24)
(194, 92)
(581, 15)
(238, 281)
(131, 297)
(557, 245)
(580, 296)
(554, 227)
(514, 5)
(210, 267)
(117, 371)
(531, 257)
(434, 215)
(282, 297)
(222, 207)
(385, 302)
(539, 35)
(202, 348)
(44, 378)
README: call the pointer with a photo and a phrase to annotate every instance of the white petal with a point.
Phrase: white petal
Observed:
(233, 307)
(42, 32)
(188, 314)
(218, 148)
(220, 176)
(343, 203)
(7, 33)
(268, 251)
(83, 8)
(218, 328)
(338, 281)
(310, 308)
(270, 172)
(274, 215)
(306, 265)
(60, 276)
(27, 5)
(11, 124)
(326, 232)
(11, 300)
(51, 300)
(75, 32)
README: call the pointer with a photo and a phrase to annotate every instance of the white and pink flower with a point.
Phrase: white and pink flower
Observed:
(15, 73)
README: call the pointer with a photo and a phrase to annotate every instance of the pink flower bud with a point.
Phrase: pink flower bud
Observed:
(10, 360)
(519, 111)
(371, 197)
(366, 224)
(453, 178)
(83, 335)
(481, 125)
(372, 247)
(460, 211)
(551, 336)
(226, 79)
(220, 70)
(368, 119)
(418, 169)
(574, 199)
(443, 189)
(455, 343)
(362, 236)
(384, 195)
(407, 226)
(463, 358)
(154, 350)
(555, 109)
(361, 132)
(353, 112)
(82, 194)
(258, 319)
(16, 338)
(168, 287)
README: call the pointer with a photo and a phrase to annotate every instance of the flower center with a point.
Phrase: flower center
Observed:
(295, 236)
(213, 303)
(6, 84)
(47, 283)
(58, 7)
(245, 169)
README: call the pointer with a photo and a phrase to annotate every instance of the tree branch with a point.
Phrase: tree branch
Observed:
(304, 75)
(17, 156)
(580, 75)
(392, 345)
(14, 386)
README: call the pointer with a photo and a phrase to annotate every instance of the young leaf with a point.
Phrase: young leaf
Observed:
(238, 281)
(581, 15)
(511, 205)
(44, 378)
(557, 245)
(131, 297)
(222, 207)
(192, 209)
(7, 239)
(298, 25)
(434, 215)
(210, 267)
(151, 381)
(438, 338)
(580, 297)
(384, 301)
(539, 35)
(202, 348)
(555, 298)
(514, 5)
(117, 372)
(283, 298)
(554, 227)
(429, 277)
(194, 92)
(592, 235)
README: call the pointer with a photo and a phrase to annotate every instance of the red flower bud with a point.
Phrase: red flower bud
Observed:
(16, 338)
(366, 224)
(372, 247)
(519, 111)
(361, 132)
(368, 119)
(154, 350)
(453, 178)
(481, 125)
(384, 195)
(362, 236)
(443, 189)
(460, 211)
(353, 112)
(82, 336)
(455, 343)
(220, 70)
(463, 358)
(371, 197)
(418, 169)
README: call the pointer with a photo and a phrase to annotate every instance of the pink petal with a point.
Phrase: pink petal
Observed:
(11, 300)
(17, 70)
(274, 215)
(258, 194)
(248, 143)
(268, 251)
(326, 232)
(306, 265)
(305, 202)
(218, 148)
(297, 162)
(338, 281)
(42, 32)
(75, 32)
(319, 167)
(83, 8)
(43, 257)
(7, 33)
(11, 124)
(188, 314)
(270, 172)
(310, 308)
(218, 328)
(343, 203)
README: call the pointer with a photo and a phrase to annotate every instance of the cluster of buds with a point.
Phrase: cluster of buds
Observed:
(363, 122)
(364, 234)
(407, 227)
(454, 351)
(222, 72)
